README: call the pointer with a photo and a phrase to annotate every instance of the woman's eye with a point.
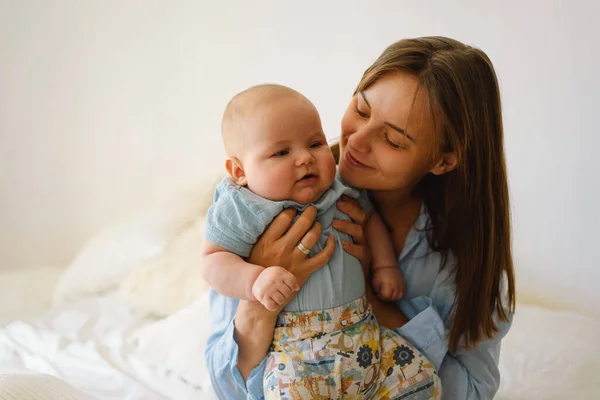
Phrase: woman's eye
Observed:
(391, 143)
(281, 153)
(316, 145)
(362, 114)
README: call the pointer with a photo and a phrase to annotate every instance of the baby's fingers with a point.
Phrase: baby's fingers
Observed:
(386, 292)
(291, 282)
(285, 290)
(270, 305)
(400, 294)
(278, 297)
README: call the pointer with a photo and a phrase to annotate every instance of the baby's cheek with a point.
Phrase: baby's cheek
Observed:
(271, 184)
(329, 170)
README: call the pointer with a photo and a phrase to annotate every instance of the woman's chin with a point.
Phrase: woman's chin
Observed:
(350, 175)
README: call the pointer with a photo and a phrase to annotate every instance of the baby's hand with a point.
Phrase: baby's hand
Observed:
(389, 284)
(274, 286)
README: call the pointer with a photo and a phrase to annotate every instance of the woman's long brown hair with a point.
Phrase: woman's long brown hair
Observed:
(469, 206)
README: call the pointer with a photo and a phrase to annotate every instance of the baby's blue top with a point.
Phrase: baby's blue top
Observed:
(238, 217)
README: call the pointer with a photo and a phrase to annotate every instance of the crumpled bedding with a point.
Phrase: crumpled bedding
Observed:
(92, 345)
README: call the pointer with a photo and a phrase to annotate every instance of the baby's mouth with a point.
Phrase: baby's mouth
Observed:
(307, 177)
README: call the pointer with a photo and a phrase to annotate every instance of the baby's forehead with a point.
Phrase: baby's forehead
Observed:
(278, 105)
(284, 124)
(262, 116)
(263, 99)
(267, 96)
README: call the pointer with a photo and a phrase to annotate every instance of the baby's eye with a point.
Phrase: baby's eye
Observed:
(281, 153)
(316, 145)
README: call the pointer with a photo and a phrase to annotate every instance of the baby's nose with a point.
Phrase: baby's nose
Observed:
(304, 157)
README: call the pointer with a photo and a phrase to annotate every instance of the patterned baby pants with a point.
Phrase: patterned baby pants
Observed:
(342, 353)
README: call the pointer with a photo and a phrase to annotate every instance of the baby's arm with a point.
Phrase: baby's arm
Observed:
(230, 275)
(388, 282)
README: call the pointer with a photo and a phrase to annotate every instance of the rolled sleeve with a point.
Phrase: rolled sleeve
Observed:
(469, 374)
(473, 373)
(425, 329)
(222, 355)
(254, 384)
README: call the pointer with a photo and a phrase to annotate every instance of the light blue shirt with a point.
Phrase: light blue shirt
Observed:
(428, 303)
(238, 217)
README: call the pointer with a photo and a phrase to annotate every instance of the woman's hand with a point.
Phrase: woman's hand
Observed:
(356, 230)
(387, 314)
(278, 245)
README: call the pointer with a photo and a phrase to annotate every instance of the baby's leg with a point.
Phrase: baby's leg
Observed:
(324, 355)
(294, 377)
(404, 371)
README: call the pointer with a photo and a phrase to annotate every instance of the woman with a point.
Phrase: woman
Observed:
(423, 134)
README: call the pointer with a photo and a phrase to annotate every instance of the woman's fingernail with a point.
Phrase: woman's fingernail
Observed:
(335, 223)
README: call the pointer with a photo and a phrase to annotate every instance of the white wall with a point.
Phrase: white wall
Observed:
(105, 104)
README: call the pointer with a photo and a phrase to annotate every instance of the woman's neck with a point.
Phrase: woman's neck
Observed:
(397, 208)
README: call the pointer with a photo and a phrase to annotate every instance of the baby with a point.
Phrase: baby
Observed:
(278, 158)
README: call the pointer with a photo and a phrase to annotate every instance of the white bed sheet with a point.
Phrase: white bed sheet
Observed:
(87, 344)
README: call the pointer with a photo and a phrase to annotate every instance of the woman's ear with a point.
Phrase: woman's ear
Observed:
(236, 171)
(446, 163)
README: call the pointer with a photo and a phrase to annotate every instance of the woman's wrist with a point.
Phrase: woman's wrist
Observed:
(254, 327)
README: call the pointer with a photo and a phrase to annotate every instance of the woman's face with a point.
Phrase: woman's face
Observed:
(381, 148)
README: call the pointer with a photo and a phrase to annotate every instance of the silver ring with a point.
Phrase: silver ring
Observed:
(303, 249)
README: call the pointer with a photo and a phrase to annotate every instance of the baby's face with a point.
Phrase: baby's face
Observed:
(287, 157)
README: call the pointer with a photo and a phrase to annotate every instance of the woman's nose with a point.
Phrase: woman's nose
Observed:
(360, 141)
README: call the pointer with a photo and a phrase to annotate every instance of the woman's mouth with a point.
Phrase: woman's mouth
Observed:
(350, 159)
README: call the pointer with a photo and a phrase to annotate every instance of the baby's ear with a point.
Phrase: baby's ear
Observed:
(236, 171)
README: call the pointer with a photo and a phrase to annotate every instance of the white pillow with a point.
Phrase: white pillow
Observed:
(171, 281)
(107, 258)
(177, 343)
